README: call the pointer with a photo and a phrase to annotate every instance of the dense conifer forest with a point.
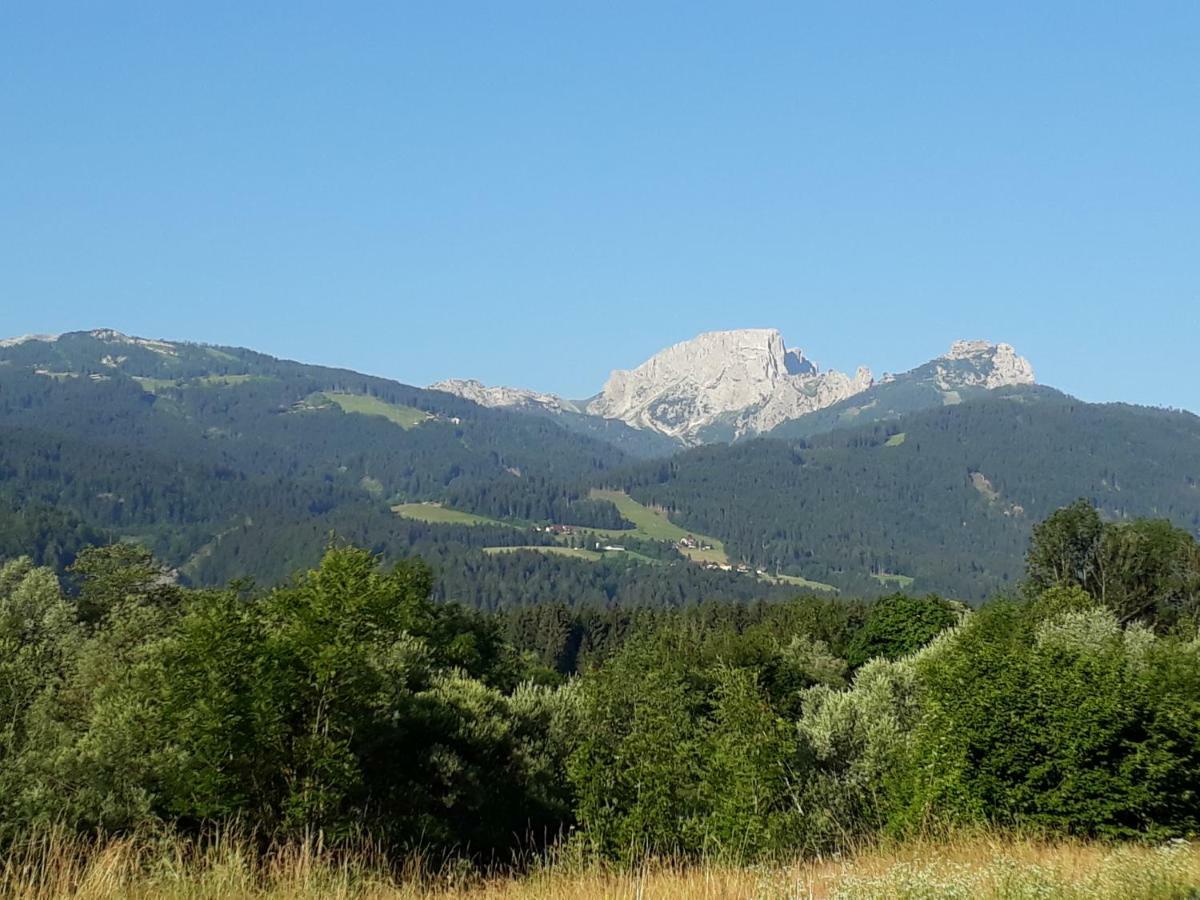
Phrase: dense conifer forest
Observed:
(227, 464)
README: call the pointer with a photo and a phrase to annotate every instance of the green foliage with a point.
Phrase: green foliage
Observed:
(897, 625)
(341, 701)
(858, 739)
(637, 768)
(753, 772)
(1056, 717)
(347, 700)
(688, 747)
(1145, 570)
(1063, 549)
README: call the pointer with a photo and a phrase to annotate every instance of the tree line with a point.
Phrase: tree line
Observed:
(346, 700)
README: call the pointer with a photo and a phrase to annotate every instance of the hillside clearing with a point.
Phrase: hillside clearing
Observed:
(652, 524)
(889, 578)
(573, 552)
(363, 404)
(154, 385)
(436, 514)
(798, 581)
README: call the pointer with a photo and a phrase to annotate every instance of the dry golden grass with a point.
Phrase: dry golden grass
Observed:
(59, 866)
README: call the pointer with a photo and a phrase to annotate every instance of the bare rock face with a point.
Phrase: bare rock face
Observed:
(26, 338)
(726, 385)
(742, 381)
(477, 392)
(981, 364)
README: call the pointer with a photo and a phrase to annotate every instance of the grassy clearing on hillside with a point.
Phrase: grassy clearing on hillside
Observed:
(436, 514)
(653, 524)
(134, 868)
(896, 440)
(154, 385)
(800, 582)
(577, 553)
(573, 552)
(404, 416)
(900, 581)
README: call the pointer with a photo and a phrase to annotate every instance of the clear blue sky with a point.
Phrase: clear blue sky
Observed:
(533, 194)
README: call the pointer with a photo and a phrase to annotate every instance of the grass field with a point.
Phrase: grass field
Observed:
(896, 440)
(800, 582)
(577, 553)
(653, 524)
(987, 868)
(900, 581)
(154, 385)
(573, 552)
(404, 416)
(436, 514)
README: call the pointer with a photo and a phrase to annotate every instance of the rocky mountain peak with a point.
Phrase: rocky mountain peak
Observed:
(743, 381)
(982, 364)
(484, 395)
(723, 385)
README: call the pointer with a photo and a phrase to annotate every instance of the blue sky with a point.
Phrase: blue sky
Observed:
(533, 194)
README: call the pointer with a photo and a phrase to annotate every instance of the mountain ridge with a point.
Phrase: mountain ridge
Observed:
(227, 461)
(725, 386)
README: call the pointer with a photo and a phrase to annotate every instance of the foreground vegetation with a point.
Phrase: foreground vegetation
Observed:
(345, 708)
(981, 867)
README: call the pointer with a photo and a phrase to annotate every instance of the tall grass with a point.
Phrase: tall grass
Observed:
(55, 864)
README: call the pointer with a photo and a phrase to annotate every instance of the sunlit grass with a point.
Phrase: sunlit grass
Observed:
(363, 404)
(436, 514)
(798, 581)
(573, 552)
(652, 524)
(895, 580)
(55, 864)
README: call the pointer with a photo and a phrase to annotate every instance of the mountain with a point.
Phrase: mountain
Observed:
(229, 463)
(725, 386)
(518, 398)
(721, 386)
(570, 415)
(970, 370)
(938, 500)
(173, 444)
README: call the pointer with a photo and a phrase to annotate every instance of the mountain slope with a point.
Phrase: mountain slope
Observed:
(226, 463)
(174, 444)
(946, 496)
(634, 441)
(970, 370)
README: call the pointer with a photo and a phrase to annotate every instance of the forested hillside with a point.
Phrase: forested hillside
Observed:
(226, 463)
(945, 497)
(210, 455)
(911, 392)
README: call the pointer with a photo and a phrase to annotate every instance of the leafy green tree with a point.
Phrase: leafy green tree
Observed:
(637, 768)
(1064, 549)
(858, 739)
(119, 575)
(1147, 569)
(898, 624)
(222, 702)
(753, 773)
(38, 641)
(1054, 716)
